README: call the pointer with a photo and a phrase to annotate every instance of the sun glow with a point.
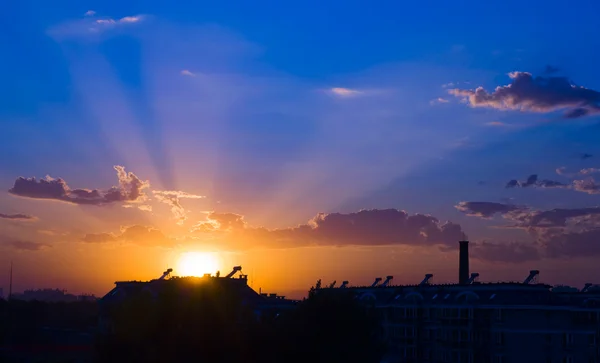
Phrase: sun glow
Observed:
(197, 264)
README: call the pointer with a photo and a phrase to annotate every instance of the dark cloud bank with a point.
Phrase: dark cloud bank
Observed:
(367, 227)
(536, 94)
(556, 233)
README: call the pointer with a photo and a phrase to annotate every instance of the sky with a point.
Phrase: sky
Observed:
(314, 140)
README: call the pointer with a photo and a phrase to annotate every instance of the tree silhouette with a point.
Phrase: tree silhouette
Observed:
(330, 326)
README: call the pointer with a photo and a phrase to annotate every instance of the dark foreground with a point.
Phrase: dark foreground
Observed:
(207, 327)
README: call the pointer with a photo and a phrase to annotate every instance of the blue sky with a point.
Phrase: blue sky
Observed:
(277, 111)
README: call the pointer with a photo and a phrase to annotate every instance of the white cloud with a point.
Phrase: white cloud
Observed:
(105, 21)
(130, 19)
(87, 26)
(90, 13)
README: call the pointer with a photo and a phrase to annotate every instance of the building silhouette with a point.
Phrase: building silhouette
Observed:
(261, 303)
(475, 322)
(51, 295)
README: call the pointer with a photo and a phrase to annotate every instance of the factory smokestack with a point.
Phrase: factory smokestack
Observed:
(463, 263)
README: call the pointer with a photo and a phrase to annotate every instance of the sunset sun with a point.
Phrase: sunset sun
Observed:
(197, 264)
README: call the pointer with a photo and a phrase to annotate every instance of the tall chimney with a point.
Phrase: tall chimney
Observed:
(463, 263)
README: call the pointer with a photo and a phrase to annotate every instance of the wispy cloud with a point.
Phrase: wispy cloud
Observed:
(589, 171)
(188, 73)
(438, 101)
(136, 234)
(130, 19)
(486, 210)
(18, 217)
(90, 25)
(21, 245)
(497, 124)
(345, 92)
(172, 198)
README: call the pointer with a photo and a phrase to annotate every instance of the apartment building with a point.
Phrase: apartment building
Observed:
(474, 322)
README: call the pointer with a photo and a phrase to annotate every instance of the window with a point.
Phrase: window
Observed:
(500, 338)
(567, 339)
(548, 338)
(567, 359)
(499, 314)
(593, 340)
(499, 359)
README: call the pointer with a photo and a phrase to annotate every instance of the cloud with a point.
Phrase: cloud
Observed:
(533, 180)
(99, 238)
(556, 218)
(565, 232)
(561, 170)
(573, 244)
(367, 227)
(90, 25)
(589, 171)
(21, 245)
(496, 124)
(131, 19)
(486, 209)
(345, 92)
(364, 228)
(136, 234)
(511, 252)
(130, 190)
(438, 101)
(172, 198)
(540, 94)
(586, 186)
(143, 207)
(556, 233)
(17, 217)
(188, 73)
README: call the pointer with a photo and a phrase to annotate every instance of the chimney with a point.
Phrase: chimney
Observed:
(463, 264)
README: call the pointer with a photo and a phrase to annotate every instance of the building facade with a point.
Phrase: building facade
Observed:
(473, 322)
